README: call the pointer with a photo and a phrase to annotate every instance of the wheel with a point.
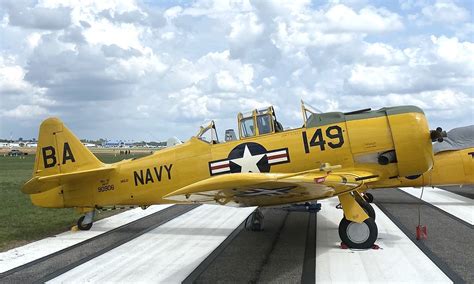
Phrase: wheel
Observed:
(358, 235)
(256, 222)
(83, 227)
(368, 197)
(367, 208)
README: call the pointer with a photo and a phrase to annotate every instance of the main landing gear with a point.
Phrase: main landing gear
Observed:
(357, 228)
(85, 222)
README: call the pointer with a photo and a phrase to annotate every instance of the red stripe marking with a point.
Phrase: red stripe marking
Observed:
(277, 156)
(219, 167)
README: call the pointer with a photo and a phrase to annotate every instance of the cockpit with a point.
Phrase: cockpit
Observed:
(255, 123)
(258, 122)
(208, 133)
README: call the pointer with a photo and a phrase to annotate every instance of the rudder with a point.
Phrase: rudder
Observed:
(60, 151)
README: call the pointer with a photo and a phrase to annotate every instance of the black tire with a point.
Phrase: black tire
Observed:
(367, 208)
(256, 224)
(358, 235)
(369, 197)
(83, 227)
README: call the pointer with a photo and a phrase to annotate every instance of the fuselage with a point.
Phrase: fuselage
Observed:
(351, 141)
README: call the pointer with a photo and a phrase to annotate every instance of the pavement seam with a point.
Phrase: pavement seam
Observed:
(309, 264)
(272, 247)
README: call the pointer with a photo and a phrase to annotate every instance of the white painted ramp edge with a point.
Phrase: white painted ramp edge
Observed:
(454, 204)
(399, 259)
(32, 251)
(167, 254)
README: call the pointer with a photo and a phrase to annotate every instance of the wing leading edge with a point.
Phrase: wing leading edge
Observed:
(267, 189)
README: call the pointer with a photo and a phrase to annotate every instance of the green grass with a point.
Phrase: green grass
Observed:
(22, 222)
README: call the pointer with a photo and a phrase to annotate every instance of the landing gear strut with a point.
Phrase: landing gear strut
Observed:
(367, 207)
(256, 220)
(357, 228)
(85, 222)
(368, 197)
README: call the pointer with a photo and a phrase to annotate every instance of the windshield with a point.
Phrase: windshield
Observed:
(264, 124)
(248, 127)
(208, 133)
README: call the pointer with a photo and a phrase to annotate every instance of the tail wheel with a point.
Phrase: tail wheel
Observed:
(358, 235)
(83, 227)
(367, 208)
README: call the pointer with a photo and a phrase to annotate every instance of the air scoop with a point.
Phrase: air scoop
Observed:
(437, 135)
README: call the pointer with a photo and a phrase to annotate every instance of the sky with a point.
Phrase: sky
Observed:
(150, 70)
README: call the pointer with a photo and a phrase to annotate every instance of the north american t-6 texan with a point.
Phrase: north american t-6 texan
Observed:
(333, 154)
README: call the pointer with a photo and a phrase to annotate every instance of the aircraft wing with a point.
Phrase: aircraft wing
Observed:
(40, 184)
(266, 189)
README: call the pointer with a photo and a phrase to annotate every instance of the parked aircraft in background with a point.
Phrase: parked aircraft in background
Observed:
(333, 154)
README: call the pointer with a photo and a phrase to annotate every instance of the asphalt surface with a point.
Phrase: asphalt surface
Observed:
(466, 191)
(276, 254)
(450, 240)
(284, 252)
(48, 267)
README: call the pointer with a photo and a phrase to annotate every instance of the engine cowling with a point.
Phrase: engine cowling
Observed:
(411, 139)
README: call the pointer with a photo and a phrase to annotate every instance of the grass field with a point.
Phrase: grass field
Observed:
(22, 222)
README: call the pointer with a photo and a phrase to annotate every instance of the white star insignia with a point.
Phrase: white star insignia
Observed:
(248, 162)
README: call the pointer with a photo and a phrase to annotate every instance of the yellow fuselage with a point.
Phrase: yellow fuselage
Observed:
(352, 141)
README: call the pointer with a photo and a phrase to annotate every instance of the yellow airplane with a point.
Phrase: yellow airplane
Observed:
(332, 154)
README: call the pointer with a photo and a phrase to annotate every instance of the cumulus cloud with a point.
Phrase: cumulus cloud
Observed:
(27, 15)
(142, 71)
(25, 112)
(445, 12)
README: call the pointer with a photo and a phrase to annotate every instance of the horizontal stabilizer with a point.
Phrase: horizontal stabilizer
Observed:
(40, 184)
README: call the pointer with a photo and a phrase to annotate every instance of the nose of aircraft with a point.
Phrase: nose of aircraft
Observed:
(412, 140)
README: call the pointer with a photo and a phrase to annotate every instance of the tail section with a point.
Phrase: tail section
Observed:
(59, 151)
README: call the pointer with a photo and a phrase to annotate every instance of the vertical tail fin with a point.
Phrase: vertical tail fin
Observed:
(60, 151)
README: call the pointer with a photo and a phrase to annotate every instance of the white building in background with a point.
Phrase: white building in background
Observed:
(90, 145)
